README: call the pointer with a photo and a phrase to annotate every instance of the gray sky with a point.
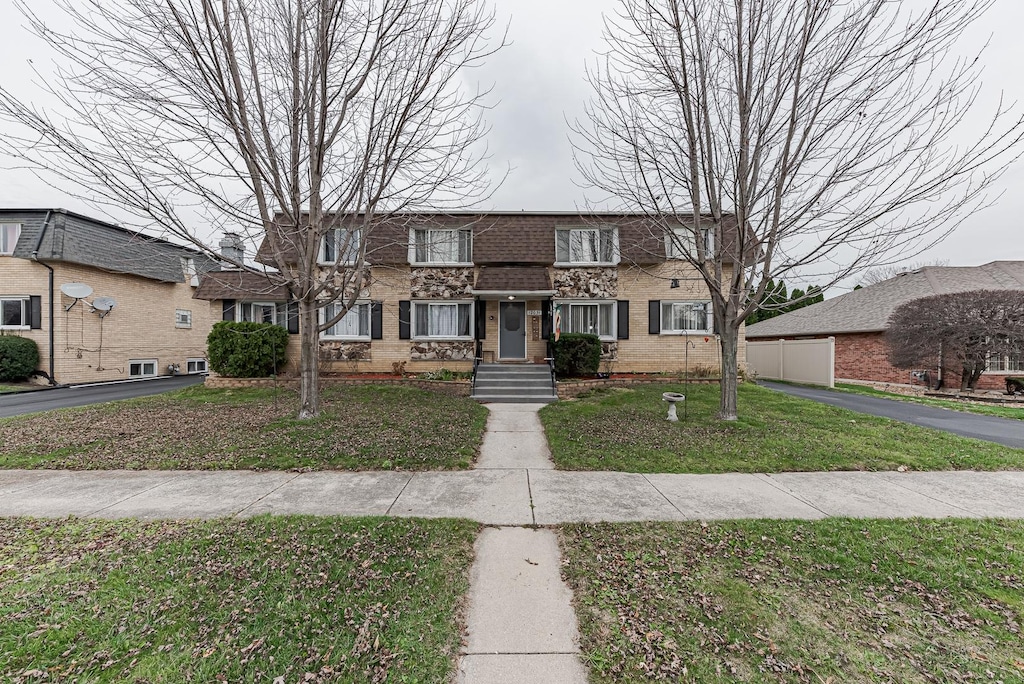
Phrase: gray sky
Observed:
(539, 84)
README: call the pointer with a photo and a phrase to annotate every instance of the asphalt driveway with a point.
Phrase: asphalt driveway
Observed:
(1005, 431)
(82, 395)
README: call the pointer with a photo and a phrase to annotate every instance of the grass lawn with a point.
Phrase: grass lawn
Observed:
(263, 600)
(1016, 411)
(4, 389)
(625, 429)
(361, 428)
(832, 601)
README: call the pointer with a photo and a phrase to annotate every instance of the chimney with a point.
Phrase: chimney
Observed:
(232, 247)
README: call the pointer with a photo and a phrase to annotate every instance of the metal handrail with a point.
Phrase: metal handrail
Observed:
(550, 358)
(477, 358)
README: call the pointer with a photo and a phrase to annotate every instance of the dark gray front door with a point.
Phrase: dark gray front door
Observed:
(512, 330)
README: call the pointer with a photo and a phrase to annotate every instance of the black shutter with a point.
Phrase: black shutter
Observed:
(545, 319)
(404, 320)
(293, 318)
(229, 310)
(623, 326)
(35, 312)
(481, 319)
(376, 320)
(654, 317)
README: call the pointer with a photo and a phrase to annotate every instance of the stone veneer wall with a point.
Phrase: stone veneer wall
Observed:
(586, 283)
(443, 351)
(337, 350)
(441, 283)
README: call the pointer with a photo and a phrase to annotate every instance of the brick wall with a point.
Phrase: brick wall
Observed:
(141, 325)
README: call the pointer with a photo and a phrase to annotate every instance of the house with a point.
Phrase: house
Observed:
(101, 302)
(443, 289)
(858, 320)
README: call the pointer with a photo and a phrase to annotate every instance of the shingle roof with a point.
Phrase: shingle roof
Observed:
(241, 285)
(868, 309)
(78, 239)
(512, 279)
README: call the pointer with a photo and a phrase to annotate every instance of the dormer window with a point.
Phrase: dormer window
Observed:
(586, 246)
(341, 246)
(9, 233)
(681, 241)
(442, 246)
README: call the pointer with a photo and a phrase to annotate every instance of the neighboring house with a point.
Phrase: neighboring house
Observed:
(442, 288)
(125, 309)
(858, 321)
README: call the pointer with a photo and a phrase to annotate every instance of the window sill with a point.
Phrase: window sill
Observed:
(442, 339)
(15, 327)
(585, 264)
(687, 333)
(333, 338)
(441, 264)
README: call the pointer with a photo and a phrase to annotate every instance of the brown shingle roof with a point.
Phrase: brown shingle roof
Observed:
(513, 279)
(240, 285)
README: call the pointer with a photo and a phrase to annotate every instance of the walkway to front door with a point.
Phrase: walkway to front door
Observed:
(512, 331)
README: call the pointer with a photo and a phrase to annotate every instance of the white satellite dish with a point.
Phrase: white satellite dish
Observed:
(76, 291)
(103, 305)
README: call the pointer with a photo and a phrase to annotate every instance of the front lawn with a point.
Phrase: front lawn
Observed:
(985, 409)
(626, 430)
(361, 428)
(263, 600)
(780, 601)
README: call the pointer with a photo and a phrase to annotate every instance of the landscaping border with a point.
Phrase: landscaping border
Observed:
(455, 388)
(570, 389)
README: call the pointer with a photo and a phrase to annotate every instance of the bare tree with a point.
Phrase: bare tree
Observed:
(297, 121)
(965, 327)
(876, 275)
(770, 138)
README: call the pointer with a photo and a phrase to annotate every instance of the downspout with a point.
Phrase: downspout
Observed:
(35, 258)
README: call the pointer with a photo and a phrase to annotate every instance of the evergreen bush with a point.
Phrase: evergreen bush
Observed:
(246, 350)
(576, 354)
(19, 356)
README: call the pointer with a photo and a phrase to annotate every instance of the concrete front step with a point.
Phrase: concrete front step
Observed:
(515, 398)
(514, 383)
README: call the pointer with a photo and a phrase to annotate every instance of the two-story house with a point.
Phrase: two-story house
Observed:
(443, 288)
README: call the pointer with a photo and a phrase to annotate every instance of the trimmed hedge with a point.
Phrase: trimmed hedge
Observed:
(576, 354)
(246, 350)
(19, 356)
(1014, 385)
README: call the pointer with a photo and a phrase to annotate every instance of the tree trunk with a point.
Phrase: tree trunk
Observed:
(729, 341)
(309, 361)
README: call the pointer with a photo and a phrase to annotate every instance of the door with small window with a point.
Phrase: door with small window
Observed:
(512, 331)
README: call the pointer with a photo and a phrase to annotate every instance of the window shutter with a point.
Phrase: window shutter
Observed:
(293, 318)
(404, 317)
(376, 320)
(229, 310)
(545, 319)
(623, 324)
(481, 319)
(654, 317)
(35, 312)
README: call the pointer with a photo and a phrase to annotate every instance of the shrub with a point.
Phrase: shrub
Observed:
(576, 354)
(1014, 385)
(246, 350)
(19, 356)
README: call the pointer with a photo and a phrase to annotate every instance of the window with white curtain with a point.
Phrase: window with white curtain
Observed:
(263, 312)
(592, 318)
(341, 245)
(684, 317)
(681, 241)
(9, 233)
(355, 324)
(447, 320)
(586, 246)
(442, 246)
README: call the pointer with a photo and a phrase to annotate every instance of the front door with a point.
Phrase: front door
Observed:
(512, 330)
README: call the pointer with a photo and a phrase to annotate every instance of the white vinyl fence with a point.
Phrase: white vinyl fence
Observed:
(812, 362)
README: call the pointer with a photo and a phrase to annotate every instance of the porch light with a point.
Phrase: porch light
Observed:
(511, 298)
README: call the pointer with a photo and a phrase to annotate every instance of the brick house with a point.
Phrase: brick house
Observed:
(442, 288)
(153, 323)
(858, 321)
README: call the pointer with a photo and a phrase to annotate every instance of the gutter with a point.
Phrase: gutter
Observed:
(35, 258)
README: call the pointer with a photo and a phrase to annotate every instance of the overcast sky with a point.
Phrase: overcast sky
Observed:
(538, 82)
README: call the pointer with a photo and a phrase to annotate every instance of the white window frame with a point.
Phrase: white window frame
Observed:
(182, 318)
(453, 237)
(418, 334)
(681, 236)
(189, 363)
(358, 309)
(1005, 361)
(709, 317)
(8, 243)
(280, 312)
(613, 318)
(612, 233)
(354, 246)
(143, 363)
(25, 313)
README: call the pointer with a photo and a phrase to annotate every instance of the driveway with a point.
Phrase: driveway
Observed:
(81, 395)
(1005, 431)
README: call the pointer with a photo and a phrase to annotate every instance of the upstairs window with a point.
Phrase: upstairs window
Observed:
(680, 242)
(9, 233)
(445, 320)
(586, 246)
(354, 325)
(441, 246)
(685, 317)
(341, 246)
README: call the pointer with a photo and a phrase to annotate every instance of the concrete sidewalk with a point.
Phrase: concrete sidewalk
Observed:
(511, 496)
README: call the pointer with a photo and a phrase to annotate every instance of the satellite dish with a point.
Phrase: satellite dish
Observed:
(103, 305)
(76, 290)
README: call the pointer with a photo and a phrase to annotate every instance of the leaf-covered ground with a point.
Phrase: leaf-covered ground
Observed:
(832, 601)
(625, 429)
(276, 600)
(360, 428)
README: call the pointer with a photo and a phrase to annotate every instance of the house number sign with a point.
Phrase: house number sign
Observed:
(533, 312)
